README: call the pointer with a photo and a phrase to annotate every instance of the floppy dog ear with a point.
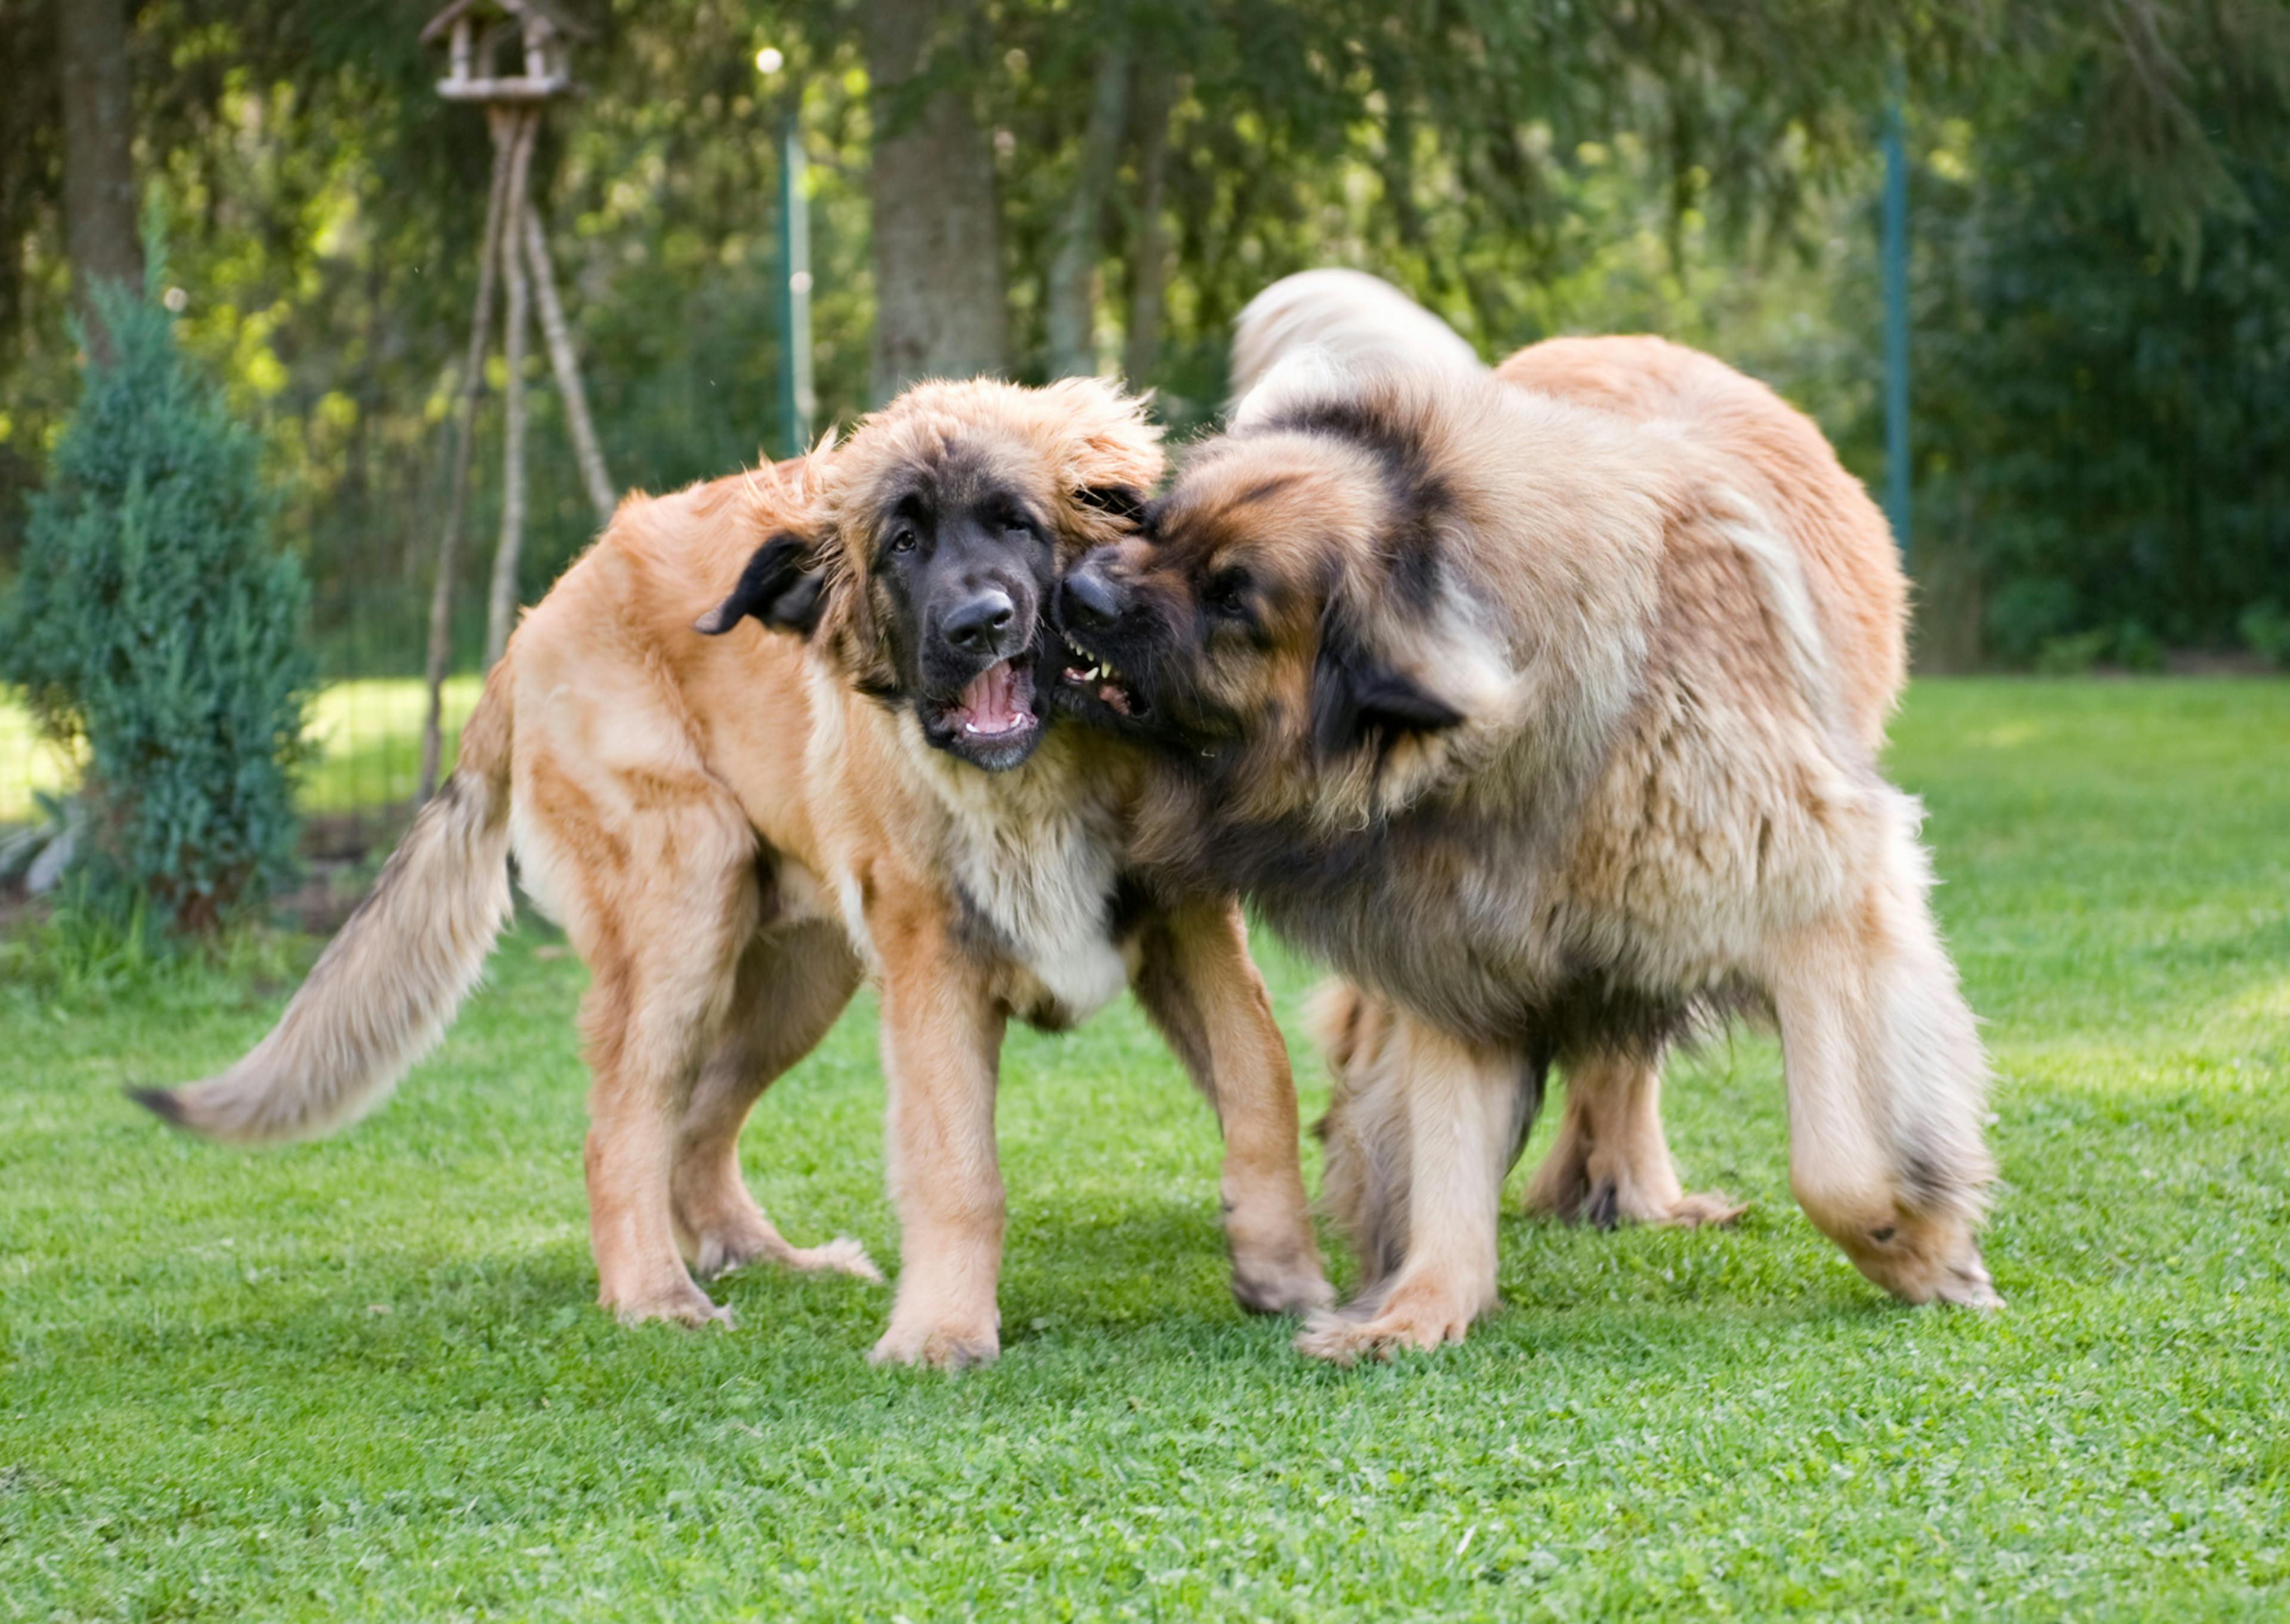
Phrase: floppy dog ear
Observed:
(1121, 501)
(1356, 696)
(778, 587)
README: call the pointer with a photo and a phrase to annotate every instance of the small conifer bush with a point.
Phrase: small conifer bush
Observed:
(155, 626)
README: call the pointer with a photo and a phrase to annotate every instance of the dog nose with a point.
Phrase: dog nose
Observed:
(976, 627)
(1091, 597)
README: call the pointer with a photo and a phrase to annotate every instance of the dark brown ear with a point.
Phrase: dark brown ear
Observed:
(780, 586)
(1357, 698)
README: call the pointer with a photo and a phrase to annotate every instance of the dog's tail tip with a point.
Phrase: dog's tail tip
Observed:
(164, 1103)
(249, 1109)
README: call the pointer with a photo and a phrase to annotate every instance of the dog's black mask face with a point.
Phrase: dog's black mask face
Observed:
(960, 570)
(943, 523)
(954, 576)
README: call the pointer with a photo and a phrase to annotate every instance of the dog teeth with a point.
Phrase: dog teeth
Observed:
(1090, 669)
(1096, 670)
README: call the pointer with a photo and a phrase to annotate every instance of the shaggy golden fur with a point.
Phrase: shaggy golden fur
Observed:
(734, 836)
(1554, 725)
(1610, 1162)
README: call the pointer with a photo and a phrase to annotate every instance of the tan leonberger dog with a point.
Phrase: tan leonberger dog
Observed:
(735, 828)
(1609, 1162)
(1555, 726)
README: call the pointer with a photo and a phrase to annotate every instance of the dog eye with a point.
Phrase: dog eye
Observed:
(1228, 595)
(902, 540)
(1015, 525)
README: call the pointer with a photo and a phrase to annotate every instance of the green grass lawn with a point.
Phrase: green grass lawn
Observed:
(363, 1378)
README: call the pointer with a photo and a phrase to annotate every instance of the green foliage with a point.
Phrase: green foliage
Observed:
(366, 1377)
(2070, 655)
(2265, 627)
(2100, 397)
(2088, 418)
(82, 957)
(155, 625)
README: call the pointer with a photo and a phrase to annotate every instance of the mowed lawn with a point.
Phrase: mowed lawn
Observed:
(363, 1379)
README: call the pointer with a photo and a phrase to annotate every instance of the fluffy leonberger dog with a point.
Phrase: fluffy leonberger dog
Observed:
(773, 735)
(1553, 725)
(1609, 1162)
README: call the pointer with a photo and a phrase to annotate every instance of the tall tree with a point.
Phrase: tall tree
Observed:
(1070, 288)
(99, 229)
(939, 308)
(1148, 253)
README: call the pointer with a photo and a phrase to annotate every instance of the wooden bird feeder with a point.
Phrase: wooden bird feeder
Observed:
(514, 255)
(475, 30)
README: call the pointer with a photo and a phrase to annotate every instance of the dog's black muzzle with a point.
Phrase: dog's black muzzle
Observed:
(981, 701)
(1096, 626)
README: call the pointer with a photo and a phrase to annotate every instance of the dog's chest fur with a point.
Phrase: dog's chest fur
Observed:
(1033, 856)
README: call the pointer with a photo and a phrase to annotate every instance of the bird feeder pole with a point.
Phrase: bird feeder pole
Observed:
(514, 251)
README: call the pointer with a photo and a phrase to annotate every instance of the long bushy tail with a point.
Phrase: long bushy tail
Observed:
(1339, 321)
(386, 986)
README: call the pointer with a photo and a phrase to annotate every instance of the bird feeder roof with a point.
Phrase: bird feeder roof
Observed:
(549, 16)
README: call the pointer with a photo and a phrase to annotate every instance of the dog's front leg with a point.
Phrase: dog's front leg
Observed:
(1197, 982)
(1438, 1117)
(941, 1038)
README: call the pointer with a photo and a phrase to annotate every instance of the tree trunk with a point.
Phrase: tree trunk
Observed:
(1148, 268)
(567, 364)
(99, 150)
(939, 306)
(500, 603)
(1070, 296)
(505, 127)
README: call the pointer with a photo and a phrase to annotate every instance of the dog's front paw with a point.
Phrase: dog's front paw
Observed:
(1286, 1283)
(683, 1304)
(1417, 1320)
(942, 1346)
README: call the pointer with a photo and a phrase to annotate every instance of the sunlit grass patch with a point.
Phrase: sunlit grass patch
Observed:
(367, 732)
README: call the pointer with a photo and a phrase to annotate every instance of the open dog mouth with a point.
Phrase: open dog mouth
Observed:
(1091, 677)
(997, 706)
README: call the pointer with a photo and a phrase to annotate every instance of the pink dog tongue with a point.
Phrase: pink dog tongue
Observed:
(990, 705)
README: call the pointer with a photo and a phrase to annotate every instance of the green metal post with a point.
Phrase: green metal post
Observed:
(1895, 256)
(797, 404)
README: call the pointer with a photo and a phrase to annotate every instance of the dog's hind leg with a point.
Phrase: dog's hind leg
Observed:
(1887, 1086)
(661, 909)
(1610, 1163)
(792, 983)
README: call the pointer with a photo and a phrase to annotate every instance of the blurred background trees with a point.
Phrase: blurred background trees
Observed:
(2102, 337)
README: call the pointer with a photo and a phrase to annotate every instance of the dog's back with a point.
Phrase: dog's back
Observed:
(1851, 568)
